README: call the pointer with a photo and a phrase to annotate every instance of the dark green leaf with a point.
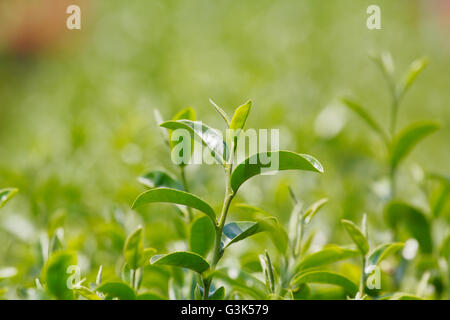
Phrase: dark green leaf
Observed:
(182, 259)
(176, 197)
(286, 161)
(119, 290)
(405, 141)
(327, 278)
(358, 238)
(219, 294)
(201, 238)
(56, 274)
(157, 179)
(415, 222)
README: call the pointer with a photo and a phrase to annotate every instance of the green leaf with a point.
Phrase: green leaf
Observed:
(383, 251)
(360, 111)
(201, 238)
(414, 221)
(411, 75)
(182, 259)
(86, 292)
(287, 160)
(404, 296)
(176, 197)
(157, 179)
(243, 282)
(313, 209)
(6, 194)
(240, 116)
(358, 238)
(57, 276)
(149, 296)
(327, 278)
(222, 113)
(445, 248)
(267, 268)
(326, 256)
(119, 290)
(134, 249)
(405, 141)
(237, 231)
(186, 114)
(219, 294)
(212, 138)
(7, 272)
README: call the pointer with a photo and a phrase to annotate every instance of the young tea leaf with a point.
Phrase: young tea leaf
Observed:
(327, 278)
(237, 231)
(313, 209)
(86, 293)
(176, 197)
(413, 72)
(134, 249)
(287, 160)
(182, 259)
(240, 116)
(405, 141)
(6, 194)
(383, 251)
(358, 238)
(326, 256)
(119, 290)
(185, 114)
(222, 113)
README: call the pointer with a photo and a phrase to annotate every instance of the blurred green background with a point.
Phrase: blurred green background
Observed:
(77, 125)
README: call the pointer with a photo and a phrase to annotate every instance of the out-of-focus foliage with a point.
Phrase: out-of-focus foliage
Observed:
(77, 129)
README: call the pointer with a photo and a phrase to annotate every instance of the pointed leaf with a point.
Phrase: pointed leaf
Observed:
(158, 178)
(119, 290)
(212, 138)
(326, 256)
(185, 114)
(413, 72)
(360, 111)
(405, 141)
(87, 293)
(222, 113)
(240, 116)
(287, 160)
(313, 209)
(413, 220)
(176, 197)
(327, 278)
(182, 259)
(201, 238)
(134, 249)
(219, 294)
(358, 238)
(383, 251)
(237, 231)
(6, 194)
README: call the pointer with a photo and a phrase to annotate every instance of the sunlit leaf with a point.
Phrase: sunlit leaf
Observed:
(358, 238)
(7, 272)
(287, 160)
(405, 141)
(176, 197)
(212, 138)
(326, 256)
(119, 290)
(326, 278)
(445, 248)
(182, 259)
(86, 293)
(6, 194)
(222, 113)
(56, 275)
(413, 72)
(185, 114)
(240, 116)
(313, 209)
(201, 238)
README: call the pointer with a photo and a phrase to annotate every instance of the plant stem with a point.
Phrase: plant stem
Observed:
(186, 188)
(363, 277)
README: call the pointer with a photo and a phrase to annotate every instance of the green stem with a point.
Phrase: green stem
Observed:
(186, 188)
(363, 277)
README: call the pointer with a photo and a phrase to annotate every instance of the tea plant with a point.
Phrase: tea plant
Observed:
(401, 217)
(5, 195)
(225, 233)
